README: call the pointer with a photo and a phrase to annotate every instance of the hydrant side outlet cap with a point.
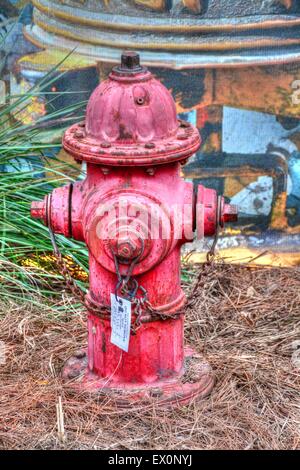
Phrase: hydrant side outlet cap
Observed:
(131, 120)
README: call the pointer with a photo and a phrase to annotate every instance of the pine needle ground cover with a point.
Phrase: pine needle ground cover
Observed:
(246, 323)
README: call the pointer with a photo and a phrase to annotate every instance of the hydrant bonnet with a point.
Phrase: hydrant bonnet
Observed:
(131, 120)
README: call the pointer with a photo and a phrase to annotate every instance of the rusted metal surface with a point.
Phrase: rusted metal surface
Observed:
(215, 33)
(134, 212)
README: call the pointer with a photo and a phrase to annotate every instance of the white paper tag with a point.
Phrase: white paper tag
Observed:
(120, 322)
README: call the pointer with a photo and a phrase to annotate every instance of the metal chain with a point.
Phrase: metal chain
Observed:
(128, 286)
(63, 268)
(210, 258)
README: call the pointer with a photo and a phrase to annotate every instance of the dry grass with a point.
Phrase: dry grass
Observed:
(245, 321)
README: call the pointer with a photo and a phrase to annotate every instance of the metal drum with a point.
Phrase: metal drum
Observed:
(173, 33)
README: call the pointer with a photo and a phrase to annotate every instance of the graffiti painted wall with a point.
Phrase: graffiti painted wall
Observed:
(241, 89)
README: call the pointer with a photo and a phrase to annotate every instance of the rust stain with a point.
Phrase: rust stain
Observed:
(124, 134)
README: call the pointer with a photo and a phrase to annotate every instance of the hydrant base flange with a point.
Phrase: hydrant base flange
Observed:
(195, 382)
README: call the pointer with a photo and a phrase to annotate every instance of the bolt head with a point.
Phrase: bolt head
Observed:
(105, 145)
(127, 246)
(80, 354)
(149, 145)
(79, 134)
(182, 136)
(130, 60)
(126, 249)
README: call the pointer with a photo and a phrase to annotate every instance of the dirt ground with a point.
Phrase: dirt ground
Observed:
(245, 321)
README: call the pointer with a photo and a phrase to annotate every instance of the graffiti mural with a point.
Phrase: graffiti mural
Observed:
(230, 66)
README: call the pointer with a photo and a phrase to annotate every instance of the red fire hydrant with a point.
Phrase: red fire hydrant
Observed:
(134, 212)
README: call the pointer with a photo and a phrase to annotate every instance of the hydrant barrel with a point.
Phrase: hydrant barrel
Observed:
(134, 212)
